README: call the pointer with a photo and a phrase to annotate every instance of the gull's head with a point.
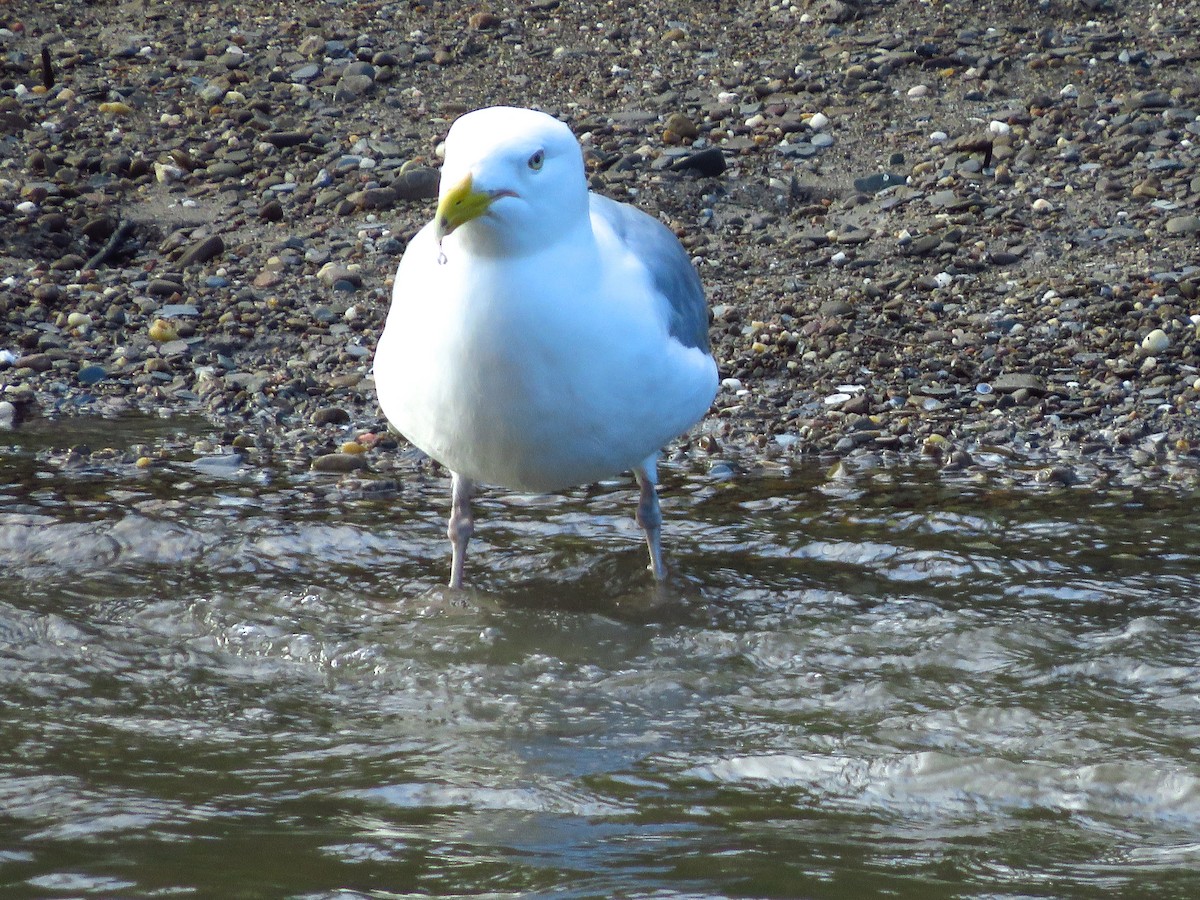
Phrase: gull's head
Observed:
(512, 181)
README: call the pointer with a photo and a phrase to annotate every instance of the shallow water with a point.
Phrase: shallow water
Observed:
(217, 684)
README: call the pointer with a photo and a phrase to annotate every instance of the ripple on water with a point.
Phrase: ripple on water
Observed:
(870, 689)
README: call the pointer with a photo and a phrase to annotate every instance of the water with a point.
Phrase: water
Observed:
(873, 685)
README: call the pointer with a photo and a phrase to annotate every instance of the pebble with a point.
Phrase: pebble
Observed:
(161, 331)
(91, 374)
(202, 251)
(339, 463)
(305, 73)
(1012, 382)
(1183, 224)
(332, 273)
(709, 163)
(330, 415)
(1156, 341)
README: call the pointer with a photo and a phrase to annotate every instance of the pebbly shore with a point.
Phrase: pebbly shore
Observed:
(967, 234)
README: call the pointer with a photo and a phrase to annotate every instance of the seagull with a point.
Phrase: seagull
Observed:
(541, 336)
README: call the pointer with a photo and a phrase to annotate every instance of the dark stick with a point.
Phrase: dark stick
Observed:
(47, 69)
(110, 246)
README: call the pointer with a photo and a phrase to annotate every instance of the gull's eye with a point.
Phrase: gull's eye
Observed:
(535, 161)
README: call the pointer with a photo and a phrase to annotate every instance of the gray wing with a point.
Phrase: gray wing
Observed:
(670, 268)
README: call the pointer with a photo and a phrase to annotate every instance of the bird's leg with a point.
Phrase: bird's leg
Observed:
(649, 516)
(461, 527)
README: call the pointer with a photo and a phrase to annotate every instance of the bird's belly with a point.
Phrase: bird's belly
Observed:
(537, 414)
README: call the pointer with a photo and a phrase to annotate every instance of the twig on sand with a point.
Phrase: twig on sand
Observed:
(109, 250)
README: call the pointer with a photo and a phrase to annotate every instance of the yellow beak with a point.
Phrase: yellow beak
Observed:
(461, 204)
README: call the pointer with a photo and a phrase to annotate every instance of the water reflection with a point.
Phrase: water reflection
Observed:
(883, 684)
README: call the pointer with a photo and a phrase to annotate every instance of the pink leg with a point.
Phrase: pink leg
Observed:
(649, 516)
(461, 527)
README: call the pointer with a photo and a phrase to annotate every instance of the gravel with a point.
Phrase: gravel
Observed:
(967, 237)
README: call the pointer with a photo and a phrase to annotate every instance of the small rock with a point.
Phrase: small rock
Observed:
(1183, 225)
(287, 138)
(1156, 341)
(202, 251)
(91, 374)
(163, 287)
(331, 273)
(418, 183)
(271, 211)
(305, 73)
(873, 184)
(681, 126)
(483, 21)
(1011, 382)
(100, 228)
(339, 463)
(710, 163)
(330, 415)
(178, 310)
(373, 198)
(39, 362)
(353, 85)
(161, 331)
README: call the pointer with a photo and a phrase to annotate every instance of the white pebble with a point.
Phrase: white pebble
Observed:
(1156, 341)
(755, 120)
(727, 97)
(997, 127)
(1042, 205)
(838, 259)
(836, 399)
(731, 384)
(919, 90)
(817, 121)
(8, 413)
(165, 173)
(27, 207)
(943, 279)
(938, 136)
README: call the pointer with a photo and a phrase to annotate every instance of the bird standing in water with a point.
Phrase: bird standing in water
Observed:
(541, 336)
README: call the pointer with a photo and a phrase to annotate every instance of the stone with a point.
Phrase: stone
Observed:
(202, 251)
(709, 163)
(1183, 225)
(1011, 382)
(287, 138)
(418, 183)
(330, 415)
(90, 375)
(339, 463)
